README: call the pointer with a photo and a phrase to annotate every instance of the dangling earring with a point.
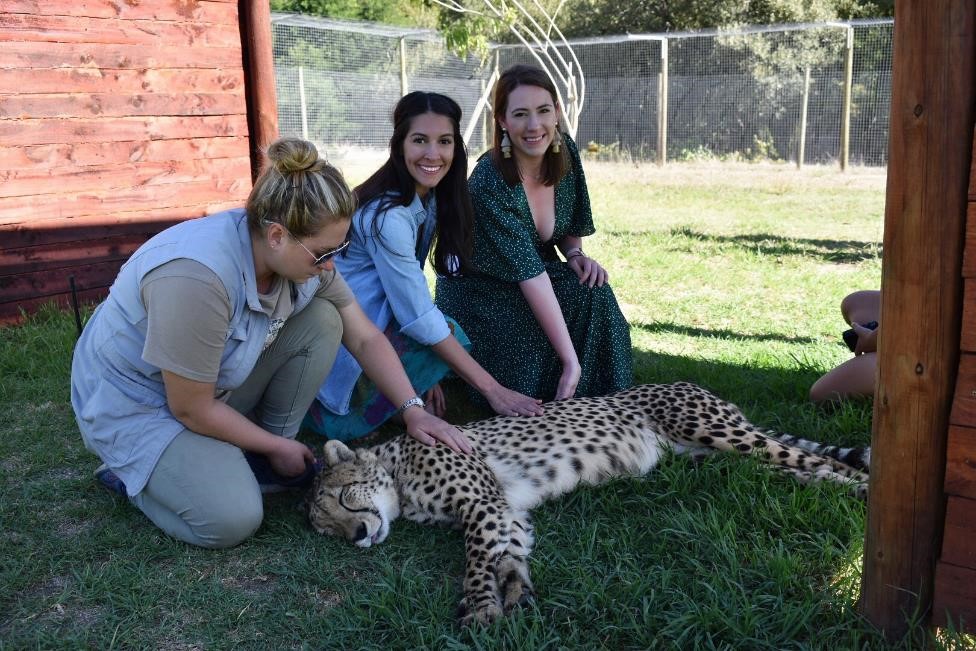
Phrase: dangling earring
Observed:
(506, 144)
(557, 140)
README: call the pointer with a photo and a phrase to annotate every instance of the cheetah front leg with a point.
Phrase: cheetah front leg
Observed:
(487, 525)
(512, 571)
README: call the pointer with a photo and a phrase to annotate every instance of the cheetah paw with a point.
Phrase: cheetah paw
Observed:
(483, 615)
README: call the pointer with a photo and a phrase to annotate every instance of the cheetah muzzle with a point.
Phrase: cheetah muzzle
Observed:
(519, 462)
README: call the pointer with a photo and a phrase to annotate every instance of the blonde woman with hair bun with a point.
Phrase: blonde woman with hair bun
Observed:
(191, 380)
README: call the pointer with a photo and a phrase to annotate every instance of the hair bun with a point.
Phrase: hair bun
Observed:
(290, 155)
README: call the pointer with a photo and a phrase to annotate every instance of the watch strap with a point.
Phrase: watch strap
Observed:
(416, 401)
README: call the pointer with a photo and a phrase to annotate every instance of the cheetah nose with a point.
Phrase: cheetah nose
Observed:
(360, 532)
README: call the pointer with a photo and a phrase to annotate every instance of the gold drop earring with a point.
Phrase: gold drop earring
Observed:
(557, 140)
(506, 144)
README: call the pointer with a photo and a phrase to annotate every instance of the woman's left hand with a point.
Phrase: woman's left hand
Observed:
(435, 400)
(429, 429)
(512, 403)
(588, 270)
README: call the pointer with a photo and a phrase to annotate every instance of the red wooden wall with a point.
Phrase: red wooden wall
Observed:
(116, 120)
(955, 572)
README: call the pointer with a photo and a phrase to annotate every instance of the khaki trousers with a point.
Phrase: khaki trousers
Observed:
(202, 490)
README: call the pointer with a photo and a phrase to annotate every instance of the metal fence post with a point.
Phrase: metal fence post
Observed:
(845, 121)
(403, 66)
(301, 100)
(662, 106)
(801, 152)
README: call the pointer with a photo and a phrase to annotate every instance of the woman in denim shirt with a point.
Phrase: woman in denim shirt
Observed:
(398, 222)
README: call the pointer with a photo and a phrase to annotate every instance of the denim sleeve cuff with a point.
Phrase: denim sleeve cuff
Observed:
(428, 329)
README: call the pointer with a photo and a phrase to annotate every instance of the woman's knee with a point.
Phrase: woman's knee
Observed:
(861, 306)
(321, 328)
(203, 492)
(230, 528)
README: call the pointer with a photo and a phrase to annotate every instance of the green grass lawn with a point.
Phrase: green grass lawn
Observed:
(731, 276)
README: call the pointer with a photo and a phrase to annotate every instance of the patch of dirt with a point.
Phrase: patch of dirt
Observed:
(252, 586)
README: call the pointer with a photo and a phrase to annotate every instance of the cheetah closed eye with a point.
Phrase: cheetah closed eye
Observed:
(519, 462)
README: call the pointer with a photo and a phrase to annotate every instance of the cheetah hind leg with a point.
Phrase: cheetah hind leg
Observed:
(512, 570)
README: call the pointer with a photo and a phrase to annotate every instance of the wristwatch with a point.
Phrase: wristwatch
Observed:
(416, 401)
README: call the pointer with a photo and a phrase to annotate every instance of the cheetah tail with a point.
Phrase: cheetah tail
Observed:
(857, 457)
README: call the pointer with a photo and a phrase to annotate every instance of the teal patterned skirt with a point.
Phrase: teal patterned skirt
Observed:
(368, 408)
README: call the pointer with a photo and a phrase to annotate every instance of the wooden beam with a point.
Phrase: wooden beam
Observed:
(259, 78)
(930, 149)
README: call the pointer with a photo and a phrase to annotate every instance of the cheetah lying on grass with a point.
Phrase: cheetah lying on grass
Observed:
(519, 462)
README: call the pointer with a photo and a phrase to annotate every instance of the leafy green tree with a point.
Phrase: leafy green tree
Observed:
(471, 31)
(411, 13)
(607, 17)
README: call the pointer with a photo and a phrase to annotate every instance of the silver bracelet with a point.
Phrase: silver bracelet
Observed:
(416, 401)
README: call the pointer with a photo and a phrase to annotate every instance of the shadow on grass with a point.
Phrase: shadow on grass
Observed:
(739, 383)
(674, 328)
(772, 397)
(840, 251)
(837, 251)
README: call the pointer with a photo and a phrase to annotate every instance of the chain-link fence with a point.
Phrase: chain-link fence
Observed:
(809, 93)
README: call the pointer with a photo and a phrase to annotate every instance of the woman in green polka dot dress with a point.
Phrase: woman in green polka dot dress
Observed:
(541, 326)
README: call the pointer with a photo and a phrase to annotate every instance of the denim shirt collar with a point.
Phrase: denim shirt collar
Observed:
(425, 216)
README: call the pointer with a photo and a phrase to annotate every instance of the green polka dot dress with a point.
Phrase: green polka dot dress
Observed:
(489, 305)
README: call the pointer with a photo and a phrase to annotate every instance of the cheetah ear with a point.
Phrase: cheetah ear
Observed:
(366, 456)
(336, 452)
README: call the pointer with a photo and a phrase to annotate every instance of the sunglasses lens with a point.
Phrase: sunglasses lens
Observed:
(325, 257)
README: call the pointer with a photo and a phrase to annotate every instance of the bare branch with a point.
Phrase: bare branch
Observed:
(537, 38)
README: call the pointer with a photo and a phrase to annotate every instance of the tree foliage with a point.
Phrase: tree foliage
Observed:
(606, 17)
(472, 31)
(410, 13)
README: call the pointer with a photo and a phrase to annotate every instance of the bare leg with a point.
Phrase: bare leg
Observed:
(854, 378)
(862, 307)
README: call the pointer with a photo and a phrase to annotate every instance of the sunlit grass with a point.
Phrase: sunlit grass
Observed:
(731, 276)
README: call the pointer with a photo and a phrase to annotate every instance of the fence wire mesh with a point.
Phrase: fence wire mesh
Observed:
(760, 93)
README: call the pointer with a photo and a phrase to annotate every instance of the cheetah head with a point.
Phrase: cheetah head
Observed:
(353, 497)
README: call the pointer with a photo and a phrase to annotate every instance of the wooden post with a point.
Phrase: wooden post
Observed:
(259, 78)
(845, 120)
(662, 106)
(930, 148)
(802, 149)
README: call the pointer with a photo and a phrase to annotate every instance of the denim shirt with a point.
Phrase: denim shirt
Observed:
(386, 274)
(118, 398)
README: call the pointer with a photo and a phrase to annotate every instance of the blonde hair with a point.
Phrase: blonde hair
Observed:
(298, 190)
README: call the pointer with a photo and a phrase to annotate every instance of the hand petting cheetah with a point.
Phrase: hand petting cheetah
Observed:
(519, 462)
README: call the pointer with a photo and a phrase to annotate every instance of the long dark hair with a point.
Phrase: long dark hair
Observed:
(555, 164)
(392, 184)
